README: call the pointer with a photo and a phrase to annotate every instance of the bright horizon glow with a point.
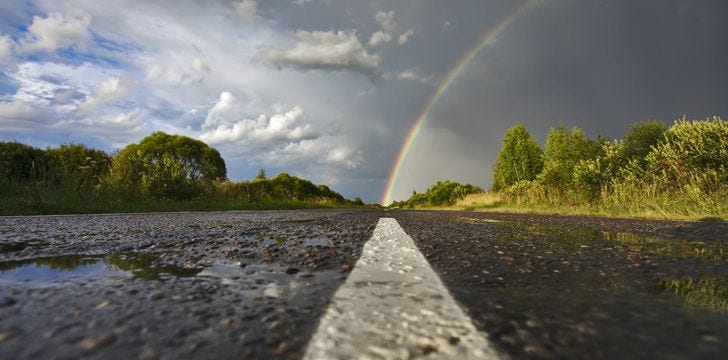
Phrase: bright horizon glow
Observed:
(441, 88)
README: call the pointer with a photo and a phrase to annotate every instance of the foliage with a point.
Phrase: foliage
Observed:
(281, 186)
(82, 167)
(261, 175)
(681, 171)
(442, 193)
(20, 162)
(161, 173)
(564, 150)
(166, 167)
(520, 158)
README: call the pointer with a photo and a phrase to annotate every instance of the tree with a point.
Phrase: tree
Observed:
(640, 139)
(78, 165)
(520, 158)
(20, 162)
(261, 174)
(564, 150)
(166, 166)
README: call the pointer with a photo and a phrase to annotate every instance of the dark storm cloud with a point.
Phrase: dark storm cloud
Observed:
(593, 64)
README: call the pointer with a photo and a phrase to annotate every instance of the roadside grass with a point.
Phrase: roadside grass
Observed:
(38, 200)
(676, 206)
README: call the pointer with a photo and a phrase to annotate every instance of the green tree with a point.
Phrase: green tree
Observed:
(78, 165)
(641, 137)
(520, 158)
(261, 174)
(564, 150)
(166, 166)
(20, 162)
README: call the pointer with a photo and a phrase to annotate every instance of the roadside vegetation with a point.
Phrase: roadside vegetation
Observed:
(654, 171)
(443, 193)
(161, 173)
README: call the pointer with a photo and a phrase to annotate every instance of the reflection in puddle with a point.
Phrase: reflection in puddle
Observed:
(708, 293)
(713, 252)
(677, 248)
(5, 248)
(565, 251)
(59, 268)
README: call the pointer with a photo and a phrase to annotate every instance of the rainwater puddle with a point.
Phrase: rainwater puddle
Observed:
(49, 270)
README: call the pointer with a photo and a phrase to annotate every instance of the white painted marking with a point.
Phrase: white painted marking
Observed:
(394, 306)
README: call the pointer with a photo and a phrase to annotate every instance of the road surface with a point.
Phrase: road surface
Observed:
(361, 284)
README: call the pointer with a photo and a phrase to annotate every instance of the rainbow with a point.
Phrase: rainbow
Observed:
(441, 88)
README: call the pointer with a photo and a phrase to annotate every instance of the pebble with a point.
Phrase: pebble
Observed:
(91, 343)
(156, 295)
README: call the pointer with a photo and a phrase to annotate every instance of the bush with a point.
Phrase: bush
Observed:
(442, 193)
(691, 153)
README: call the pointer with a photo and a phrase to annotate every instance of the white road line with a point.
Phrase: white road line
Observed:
(394, 306)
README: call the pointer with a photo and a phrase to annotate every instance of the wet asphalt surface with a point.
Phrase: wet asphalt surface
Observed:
(583, 287)
(254, 284)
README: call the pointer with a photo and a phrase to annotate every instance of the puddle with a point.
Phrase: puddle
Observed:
(711, 252)
(716, 252)
(58, 268)
(708, 293)
(48, 270)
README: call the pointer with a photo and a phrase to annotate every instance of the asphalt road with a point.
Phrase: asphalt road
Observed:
(257, 284)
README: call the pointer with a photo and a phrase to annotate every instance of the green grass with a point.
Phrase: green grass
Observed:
(678, 206)
(17, 199)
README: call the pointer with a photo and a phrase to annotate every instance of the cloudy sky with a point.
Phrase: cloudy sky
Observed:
(327, 89)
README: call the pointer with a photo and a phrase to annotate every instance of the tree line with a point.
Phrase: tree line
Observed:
(677, 170)
(160, 168)
(651, 161)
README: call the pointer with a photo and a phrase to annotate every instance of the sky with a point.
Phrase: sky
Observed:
(330, 90)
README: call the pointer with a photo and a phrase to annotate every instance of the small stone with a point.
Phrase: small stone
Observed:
(156, 295)
(102, 305)
(345, 268)
(226, 321)
(710, 338)
(5, 335)
(91, 343)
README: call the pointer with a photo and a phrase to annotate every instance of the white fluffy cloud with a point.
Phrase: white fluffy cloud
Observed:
(389, 29)
(224, 105)
(108, 91)
(413, 75)
(324, 50)
(264, 129)
(57, 31)
(320, 151)
(405, 36)
(379, 37)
